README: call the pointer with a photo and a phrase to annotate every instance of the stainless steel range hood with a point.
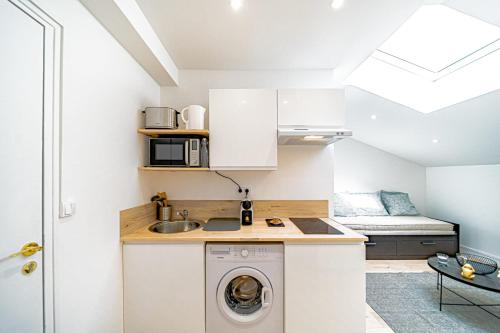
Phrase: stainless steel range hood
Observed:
(311, 136)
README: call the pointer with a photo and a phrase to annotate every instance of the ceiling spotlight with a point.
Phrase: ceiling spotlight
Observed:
(435, 140)
(373, 116)
(337, 4)
(236, 4)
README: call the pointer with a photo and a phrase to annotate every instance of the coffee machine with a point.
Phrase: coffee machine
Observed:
(246, 212)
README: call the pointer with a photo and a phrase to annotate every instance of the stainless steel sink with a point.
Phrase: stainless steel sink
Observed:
(175, 226)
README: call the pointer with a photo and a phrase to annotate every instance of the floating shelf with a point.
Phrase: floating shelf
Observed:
(144, 168)
(160, 131)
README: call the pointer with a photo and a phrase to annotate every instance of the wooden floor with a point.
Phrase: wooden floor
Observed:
(375, 324)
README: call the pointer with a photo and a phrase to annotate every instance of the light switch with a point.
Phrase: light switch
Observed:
(67, 209)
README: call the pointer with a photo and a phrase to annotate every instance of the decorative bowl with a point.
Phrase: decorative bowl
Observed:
(482, 265)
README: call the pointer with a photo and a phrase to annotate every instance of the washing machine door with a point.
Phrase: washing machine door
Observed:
(245, 295)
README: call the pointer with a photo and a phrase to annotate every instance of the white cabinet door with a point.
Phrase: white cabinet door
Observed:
(324, 288)
(243, 129)
(164, 288)
(311, 107)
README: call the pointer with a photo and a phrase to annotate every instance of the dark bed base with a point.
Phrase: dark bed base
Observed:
(412, 247)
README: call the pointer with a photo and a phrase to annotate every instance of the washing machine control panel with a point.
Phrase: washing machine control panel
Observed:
(253, 252)
(243, 252)
(240, 252)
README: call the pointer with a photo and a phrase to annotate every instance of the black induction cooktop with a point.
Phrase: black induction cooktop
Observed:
(315, 226)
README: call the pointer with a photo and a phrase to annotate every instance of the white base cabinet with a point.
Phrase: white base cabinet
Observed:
(324, 288)
(164, 288)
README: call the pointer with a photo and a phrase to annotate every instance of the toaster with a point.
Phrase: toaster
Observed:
(161, 117)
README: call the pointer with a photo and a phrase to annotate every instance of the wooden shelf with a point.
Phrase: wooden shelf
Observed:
(171, 169)
(159, 131)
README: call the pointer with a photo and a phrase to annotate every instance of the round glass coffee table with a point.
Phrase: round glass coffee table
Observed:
(452, 270)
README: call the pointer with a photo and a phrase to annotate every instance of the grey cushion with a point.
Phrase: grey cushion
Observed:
(358, 204)
(398, 203)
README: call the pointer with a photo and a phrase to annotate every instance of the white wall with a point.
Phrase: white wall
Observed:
(470, 196)
(363, 168)
(303, 172)
(103, 89)
(194, 84)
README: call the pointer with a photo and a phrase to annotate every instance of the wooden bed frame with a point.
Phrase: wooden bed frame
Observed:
(412, 247)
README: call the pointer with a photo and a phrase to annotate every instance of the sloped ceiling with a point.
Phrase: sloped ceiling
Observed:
(468, 133)
(273, 34)
(308, 34)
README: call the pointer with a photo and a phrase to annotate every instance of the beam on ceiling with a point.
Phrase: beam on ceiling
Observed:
(126, 22)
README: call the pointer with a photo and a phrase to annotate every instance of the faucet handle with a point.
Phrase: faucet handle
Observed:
(184, 214)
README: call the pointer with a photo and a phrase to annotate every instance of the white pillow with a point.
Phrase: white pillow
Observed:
(359, 204)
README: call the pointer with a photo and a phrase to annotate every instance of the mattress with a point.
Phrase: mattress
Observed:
(396, 225)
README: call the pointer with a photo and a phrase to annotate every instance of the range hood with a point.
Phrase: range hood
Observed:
(311, 136)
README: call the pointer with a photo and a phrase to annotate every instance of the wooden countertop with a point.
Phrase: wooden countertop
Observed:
(257, 232)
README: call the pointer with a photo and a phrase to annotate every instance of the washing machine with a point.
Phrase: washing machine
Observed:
(244, 288)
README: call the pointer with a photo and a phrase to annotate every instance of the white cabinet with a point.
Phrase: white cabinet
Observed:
(164, 288)
(324, 288)
(243, 129)
(311, 108)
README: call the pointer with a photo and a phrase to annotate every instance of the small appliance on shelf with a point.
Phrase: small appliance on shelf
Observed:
(160, 117)
(173, 151)
(195, 116)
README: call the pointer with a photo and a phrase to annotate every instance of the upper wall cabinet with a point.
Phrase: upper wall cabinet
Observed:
(323, 108)
(243, 124)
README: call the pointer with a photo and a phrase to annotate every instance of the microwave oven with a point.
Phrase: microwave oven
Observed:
(174, 152)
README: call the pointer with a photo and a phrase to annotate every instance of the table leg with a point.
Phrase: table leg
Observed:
(441, 293)
(437, 284)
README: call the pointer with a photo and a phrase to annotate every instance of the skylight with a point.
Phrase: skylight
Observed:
(437, 58)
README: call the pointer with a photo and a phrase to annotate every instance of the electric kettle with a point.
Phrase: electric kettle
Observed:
(195, 116)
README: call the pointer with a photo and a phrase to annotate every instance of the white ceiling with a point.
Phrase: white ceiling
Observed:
(273, 34)
(308, 34)
(468, 133)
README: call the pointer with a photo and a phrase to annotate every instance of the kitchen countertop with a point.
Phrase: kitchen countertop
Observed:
(257, 232)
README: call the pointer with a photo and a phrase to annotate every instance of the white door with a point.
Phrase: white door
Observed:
(245, 295)
(21, 181)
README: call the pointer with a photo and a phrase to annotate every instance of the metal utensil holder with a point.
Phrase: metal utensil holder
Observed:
(164, 213)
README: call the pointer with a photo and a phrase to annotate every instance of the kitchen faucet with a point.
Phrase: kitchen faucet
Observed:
(184, 214)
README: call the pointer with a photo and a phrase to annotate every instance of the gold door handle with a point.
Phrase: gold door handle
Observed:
(28, 249)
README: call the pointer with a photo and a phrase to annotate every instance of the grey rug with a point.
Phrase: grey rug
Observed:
(409, 302)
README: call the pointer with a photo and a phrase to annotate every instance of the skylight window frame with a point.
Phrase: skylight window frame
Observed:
(436, 75)
(430, 89)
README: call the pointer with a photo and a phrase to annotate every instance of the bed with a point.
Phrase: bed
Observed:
(404, 237)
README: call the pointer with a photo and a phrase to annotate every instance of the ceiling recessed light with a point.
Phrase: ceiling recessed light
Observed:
(313, 137)
(285, 102)
(337, 4)
(373, 116)
(435, 140)
(236, 4)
